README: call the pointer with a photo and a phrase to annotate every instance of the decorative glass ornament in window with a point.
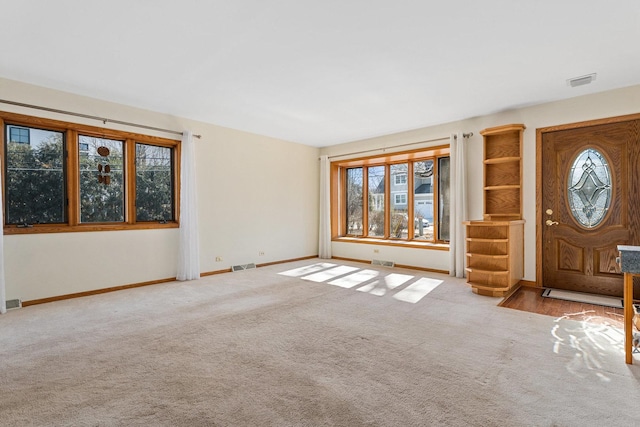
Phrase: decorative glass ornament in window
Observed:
(104, 169)
(589, 188)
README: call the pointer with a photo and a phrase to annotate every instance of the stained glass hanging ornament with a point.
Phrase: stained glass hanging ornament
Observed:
(104, 169)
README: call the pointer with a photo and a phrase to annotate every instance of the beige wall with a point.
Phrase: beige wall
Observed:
(256, 194)
(581, 108)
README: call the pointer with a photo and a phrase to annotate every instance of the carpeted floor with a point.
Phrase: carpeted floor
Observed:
(309, 343)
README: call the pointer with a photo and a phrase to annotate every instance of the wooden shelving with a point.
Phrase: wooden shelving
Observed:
(495, 245)
(495, 256)
(503, 172)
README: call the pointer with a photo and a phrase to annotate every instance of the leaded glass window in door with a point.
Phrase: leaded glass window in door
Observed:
(589, 188)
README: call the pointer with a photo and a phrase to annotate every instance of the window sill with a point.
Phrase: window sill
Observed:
(400, 243)
(41, 229)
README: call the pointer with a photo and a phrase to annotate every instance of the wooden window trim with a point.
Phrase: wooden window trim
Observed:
(338, 196)
(72, 176)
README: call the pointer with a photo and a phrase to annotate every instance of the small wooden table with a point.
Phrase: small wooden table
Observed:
(630, 266)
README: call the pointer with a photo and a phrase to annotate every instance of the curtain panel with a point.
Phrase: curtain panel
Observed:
(188, 248)
(3, 296)
(324, 243)
(458, 208)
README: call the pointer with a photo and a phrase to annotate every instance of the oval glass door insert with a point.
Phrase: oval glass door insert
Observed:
(589, 188)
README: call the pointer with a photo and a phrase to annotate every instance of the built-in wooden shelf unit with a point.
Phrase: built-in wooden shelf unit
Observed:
(495, 245)
(495, 256)
(503, 172)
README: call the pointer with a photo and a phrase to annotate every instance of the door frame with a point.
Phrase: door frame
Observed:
(539, 210)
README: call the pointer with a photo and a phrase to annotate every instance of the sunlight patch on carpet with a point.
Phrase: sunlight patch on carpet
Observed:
(401, 287)
(355, 279)
(390, 281)
(308, 269)
(376, 288)
(394, 280)
(326, 275)
(418, 290)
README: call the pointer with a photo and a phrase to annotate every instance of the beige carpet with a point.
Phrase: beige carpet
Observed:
(324, 344)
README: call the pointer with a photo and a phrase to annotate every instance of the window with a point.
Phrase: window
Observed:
(407, 198)
(154, 183)
(101, 180)
(354, 202)
(589, 188)
(400, 179)
(35, 178)
(63, 176)
(444, 201)
(401, 199)
(423, 199)
(18, 135)
(376, 200)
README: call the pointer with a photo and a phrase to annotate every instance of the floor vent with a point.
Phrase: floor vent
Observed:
(14, 303)
(243, 267)
(382, 263)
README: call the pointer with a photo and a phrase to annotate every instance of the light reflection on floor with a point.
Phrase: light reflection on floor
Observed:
(587, 340)
(402, 287)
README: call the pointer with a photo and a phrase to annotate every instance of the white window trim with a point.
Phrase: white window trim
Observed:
(403, 181)
(395, 198)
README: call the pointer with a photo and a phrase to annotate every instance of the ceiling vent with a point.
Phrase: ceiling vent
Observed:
(582, 80)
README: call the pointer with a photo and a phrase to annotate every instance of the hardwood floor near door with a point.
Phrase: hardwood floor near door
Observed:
(530, 299)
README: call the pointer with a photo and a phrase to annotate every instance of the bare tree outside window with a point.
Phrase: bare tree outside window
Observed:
(399, 207)
(354, 202)
(423, 200)
(444, 186)
(376, 201)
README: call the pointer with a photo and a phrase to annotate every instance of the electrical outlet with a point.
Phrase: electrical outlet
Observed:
(261, 253)
(376, 251)
(218, 258)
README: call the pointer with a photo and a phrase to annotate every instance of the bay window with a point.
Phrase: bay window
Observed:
(407, 198)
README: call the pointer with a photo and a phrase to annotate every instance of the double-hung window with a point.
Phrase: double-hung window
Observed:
(61, 176)
(400, 198)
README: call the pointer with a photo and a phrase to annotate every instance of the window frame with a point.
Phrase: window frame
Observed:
(338, 196)
(72, 175)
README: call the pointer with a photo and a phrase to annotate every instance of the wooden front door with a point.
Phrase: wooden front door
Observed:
(590, 187)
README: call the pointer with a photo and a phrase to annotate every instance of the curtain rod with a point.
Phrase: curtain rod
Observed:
(464, 135)
(87, 116)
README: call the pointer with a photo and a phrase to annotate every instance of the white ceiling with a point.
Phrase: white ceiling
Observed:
(322, 72)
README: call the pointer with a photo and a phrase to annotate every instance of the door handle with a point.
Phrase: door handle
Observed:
(549, 222)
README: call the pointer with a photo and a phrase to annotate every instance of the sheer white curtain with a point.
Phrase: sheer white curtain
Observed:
(189, 249)
(324, 246)
(3, 299)
(458, 208)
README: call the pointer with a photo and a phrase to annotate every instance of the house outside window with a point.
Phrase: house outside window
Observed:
(19, 135)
